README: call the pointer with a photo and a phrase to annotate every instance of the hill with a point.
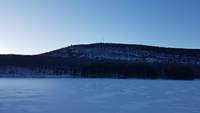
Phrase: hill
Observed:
(106, 60)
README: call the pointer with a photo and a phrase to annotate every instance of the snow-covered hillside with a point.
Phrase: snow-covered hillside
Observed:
(133, 53)
(107, 60)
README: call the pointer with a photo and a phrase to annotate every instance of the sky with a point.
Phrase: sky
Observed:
(37, 26)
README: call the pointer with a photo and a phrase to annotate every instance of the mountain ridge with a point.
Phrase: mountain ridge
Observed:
(106, 60)
(130, 52)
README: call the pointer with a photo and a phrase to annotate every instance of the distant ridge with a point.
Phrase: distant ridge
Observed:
(110, 60)
(129, 52)
(127, 45)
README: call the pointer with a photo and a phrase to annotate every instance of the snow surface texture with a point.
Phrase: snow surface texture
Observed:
(98, 96)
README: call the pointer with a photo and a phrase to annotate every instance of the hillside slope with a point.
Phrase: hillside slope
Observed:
(131, 53)
(106, 60)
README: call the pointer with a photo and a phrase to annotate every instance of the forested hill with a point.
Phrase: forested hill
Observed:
(131, 53)
(106, 60)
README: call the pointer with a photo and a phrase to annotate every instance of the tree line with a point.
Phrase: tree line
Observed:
(96, 68)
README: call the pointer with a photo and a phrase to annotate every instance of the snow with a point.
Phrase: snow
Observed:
(98, 96)
(134, 54)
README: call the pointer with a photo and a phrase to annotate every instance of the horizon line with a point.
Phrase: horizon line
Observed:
(119, 43)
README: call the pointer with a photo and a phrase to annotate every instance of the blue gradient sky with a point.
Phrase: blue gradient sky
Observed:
(34, 26)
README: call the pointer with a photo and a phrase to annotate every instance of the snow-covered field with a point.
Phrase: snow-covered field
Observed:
(98, 96)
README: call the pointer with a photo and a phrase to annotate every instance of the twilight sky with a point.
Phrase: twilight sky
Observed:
(35, 26)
